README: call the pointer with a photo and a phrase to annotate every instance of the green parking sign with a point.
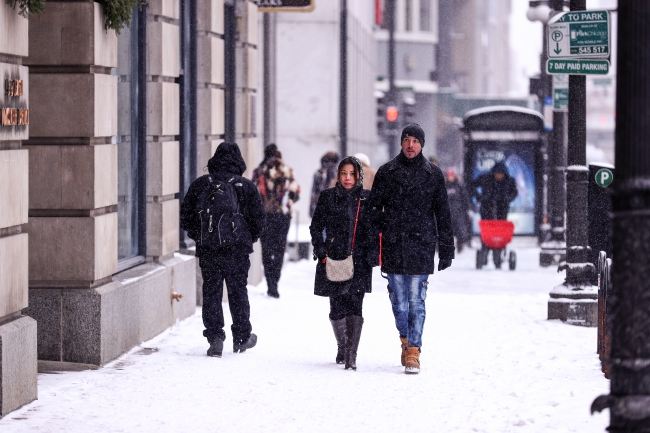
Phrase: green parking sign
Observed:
(604, 177)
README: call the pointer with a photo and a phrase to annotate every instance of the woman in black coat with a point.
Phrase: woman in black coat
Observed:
(333, 236)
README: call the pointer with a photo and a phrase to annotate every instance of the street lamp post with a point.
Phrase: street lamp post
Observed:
(391, 96)
(629, 398)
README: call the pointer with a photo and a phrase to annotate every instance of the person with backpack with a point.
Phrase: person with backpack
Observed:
(279, 190)
(409, 206)
(345, 256)
(223, 213)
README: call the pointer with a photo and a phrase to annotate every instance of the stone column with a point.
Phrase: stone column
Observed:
(247, 97)
(163, 109)
(210, 81)
(18, 365)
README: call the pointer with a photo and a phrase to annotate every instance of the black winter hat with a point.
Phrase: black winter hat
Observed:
(413, 130)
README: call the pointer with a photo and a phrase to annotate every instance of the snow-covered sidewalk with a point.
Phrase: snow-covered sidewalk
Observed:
(491, 362)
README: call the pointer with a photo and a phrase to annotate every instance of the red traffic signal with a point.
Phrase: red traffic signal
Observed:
(392, 113)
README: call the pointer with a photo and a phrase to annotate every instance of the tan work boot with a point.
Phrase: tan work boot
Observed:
(412, 360)
(405, 343)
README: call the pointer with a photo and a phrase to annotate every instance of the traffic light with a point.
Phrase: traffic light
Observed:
(392, 113)
(381, 115)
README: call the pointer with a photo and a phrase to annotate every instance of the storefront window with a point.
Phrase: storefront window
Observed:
(128, 183)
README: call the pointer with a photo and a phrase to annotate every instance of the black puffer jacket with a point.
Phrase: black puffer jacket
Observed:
(335, 214)
(413, 197)
(227, 163)
(495, 196)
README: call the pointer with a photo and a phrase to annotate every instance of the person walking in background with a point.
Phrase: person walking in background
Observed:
(224, 195)
(459, 206)
(324, 177)
(494, 191)
(368, 172)
(409, 206)
(279, 190)
(341, 214)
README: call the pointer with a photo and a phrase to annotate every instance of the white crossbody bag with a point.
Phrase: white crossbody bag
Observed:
(339, 271)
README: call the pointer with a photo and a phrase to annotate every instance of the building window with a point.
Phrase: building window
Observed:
(408, 16)
(425, 15)
(130, 211)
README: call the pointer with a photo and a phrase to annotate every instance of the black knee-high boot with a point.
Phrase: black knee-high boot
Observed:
(340, 329)
(354, 325)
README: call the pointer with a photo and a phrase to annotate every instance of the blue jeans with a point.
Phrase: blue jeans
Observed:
(407, 293)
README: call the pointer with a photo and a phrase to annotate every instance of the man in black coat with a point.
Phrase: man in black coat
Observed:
(409, 206)
(497, 190)
(229, 263)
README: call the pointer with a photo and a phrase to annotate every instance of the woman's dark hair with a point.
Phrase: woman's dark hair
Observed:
(358, 167)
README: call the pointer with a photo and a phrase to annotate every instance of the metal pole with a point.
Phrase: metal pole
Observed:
(343, 79)
(269, 74)
(445, 54)
(555, 251)
(391, 98)
(629, 399)
(577, 177)
(230, 69)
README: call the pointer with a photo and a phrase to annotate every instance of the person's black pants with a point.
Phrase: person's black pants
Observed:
(274, 242)
(233, 268)
(346, 305)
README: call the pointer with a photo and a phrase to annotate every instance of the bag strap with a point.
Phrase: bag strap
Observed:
(356, 220)
(232, 179)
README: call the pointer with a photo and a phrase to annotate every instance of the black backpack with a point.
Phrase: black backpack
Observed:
(221, 223)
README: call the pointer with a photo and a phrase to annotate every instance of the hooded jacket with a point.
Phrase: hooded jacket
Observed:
(226, 165)
(335, 215)
(495, 196)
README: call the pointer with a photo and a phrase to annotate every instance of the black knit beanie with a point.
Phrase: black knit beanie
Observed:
(413, 130)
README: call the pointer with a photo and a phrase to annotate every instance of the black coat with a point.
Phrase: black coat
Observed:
(335, 213)
(459, 205)
(415, 215)
(495, 196)
(227, 163)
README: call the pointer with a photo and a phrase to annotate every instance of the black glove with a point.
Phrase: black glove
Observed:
(443, 264)
(320, 253)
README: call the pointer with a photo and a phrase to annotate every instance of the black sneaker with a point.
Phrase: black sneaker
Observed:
(248, 344)
(273, 294)
(216, 348)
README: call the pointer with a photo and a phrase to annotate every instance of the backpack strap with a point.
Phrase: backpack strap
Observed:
(231, 182)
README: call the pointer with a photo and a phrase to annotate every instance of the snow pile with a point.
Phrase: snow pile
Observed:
(491, 362)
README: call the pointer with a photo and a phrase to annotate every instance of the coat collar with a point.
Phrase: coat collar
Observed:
(396, 163)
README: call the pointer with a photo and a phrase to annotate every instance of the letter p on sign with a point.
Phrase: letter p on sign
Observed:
(604, 177)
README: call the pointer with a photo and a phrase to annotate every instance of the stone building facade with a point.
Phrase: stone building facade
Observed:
(17, 332)
(92, 259)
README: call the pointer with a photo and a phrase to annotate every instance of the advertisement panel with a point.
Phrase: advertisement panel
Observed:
(519, 158)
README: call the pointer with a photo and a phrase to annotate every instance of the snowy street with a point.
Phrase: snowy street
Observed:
(491, 362)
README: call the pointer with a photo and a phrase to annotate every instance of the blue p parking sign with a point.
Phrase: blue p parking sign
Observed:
(604, 177)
